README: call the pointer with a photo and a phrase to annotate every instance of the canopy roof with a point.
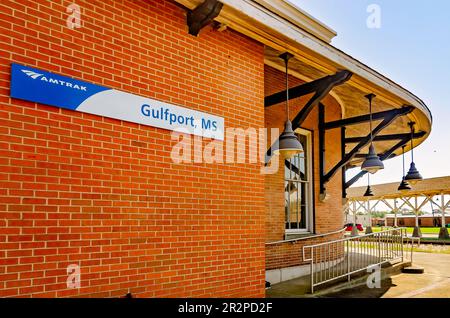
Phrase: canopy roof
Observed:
(432, 186)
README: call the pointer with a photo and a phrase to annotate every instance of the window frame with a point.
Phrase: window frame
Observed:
(310, 186)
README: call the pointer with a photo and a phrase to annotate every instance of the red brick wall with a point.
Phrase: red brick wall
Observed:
(104, 194)
(329, 216)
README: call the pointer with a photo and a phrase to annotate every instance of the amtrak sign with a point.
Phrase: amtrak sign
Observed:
(64, 92)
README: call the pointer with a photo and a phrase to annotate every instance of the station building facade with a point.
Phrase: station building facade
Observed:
(95, 193)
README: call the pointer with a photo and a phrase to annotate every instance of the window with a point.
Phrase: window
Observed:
(298, 189)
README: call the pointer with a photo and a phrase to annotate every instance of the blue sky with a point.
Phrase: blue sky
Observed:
(412, 47)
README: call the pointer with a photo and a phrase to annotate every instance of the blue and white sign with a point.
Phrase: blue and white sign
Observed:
(64, 92)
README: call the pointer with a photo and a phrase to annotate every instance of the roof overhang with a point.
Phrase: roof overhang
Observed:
(283, 27)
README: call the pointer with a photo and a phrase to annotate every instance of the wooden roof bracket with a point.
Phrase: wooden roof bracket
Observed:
(392, 137)
(203, 15)
(387, 155)
(321, 87)
(387, 118)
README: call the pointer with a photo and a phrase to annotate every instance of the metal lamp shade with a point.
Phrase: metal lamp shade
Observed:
(413, 175)
(404, 186)
(289, 145)
(369, 192)
(372, 164)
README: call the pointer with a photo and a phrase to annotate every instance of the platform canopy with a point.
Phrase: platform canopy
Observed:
(427, 187)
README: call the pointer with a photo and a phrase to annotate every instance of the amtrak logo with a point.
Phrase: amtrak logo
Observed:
(43, 78)
(32, 74)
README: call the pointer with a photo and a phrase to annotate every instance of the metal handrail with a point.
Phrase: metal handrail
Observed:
(352, 238)
(344, 257)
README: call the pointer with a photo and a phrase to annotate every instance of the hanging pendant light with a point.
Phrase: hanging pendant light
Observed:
(413, 175)
(372, 164)
(369, 192)
(289, 145)
(404, 185)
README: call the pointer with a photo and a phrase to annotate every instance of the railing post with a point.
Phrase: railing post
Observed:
(402, 242)
(348, 260)
(413, 240)
(379, 247)
(312, 270)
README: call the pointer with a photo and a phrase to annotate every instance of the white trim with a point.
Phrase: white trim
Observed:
(299, 231)
(300, 18)
(310, 163)
(309, 195)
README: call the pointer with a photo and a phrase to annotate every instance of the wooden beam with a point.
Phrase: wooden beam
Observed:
(318, 86)
(366, 118)
(383, 157)
(394, 137)
(344, 169)
(363, 143)
(322, 90)
(364, 155)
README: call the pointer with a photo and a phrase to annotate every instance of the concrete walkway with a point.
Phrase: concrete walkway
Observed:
(300, 287)
(434, 283)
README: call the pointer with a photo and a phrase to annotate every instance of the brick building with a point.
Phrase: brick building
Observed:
(98, 191)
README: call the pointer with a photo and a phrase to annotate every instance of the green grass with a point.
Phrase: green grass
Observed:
(410, 230)
(442, 249)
